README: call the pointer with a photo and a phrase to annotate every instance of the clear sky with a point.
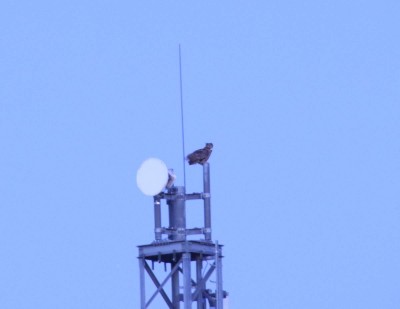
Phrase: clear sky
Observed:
(301, 100)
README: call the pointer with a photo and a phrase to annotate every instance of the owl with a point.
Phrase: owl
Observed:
(200, 156)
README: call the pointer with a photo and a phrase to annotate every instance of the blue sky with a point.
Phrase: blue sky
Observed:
(300, 99)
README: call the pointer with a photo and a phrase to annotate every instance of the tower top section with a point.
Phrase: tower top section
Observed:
(155, 179)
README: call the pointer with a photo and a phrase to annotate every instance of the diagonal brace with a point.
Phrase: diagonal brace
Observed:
(160, 287)
(196, 293)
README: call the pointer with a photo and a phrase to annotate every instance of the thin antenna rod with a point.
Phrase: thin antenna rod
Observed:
(183, 129)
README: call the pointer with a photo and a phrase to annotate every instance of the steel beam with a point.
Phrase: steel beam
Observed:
(220, 292)
(175, 286)
(200, 285)
(142, 283)
(187, 281)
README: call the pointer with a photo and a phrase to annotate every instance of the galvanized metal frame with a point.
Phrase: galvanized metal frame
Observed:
(181, 253)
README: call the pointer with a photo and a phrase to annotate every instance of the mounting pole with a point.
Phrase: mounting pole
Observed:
(207, 201)
(157, 218)
(177, 213)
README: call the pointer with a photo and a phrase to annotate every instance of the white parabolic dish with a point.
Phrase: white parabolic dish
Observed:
(152, 176)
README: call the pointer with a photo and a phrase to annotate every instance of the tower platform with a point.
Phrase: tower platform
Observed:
(180, 255)
(171, 251)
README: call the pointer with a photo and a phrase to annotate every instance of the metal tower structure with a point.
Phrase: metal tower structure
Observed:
(186, 281)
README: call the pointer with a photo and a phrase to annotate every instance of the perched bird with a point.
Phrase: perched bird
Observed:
(201, 155)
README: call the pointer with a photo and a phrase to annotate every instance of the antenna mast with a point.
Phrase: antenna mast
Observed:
(183, 129)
